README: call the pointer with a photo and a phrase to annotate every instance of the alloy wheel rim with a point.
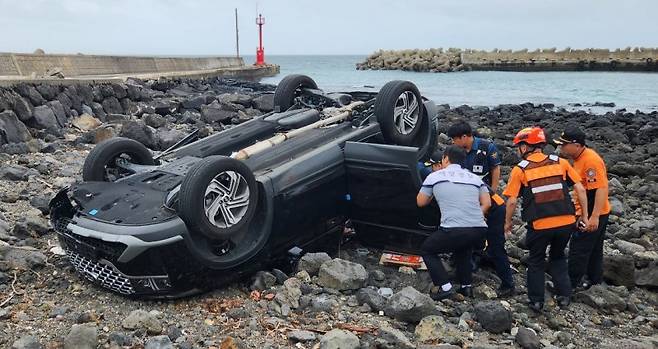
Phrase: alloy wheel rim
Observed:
(405, 113)
(226, 199)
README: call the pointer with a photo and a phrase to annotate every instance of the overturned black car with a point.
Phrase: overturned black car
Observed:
(208, 211)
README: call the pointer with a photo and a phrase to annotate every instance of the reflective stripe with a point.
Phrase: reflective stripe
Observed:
(549, 187)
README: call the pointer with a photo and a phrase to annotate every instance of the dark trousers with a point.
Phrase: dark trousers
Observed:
(537, 241)
(459, 241)
(496, 246)
(586, 254)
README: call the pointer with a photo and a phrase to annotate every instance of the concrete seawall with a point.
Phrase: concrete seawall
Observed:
(439, 60)
(22, 67)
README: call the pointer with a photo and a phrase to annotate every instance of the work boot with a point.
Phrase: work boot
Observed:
(563, 301)
(441, 295)
(537, 307)
(466, 291)
(506, 292)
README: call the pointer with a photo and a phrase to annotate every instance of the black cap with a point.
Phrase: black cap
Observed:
(436, 157)
(571, 134)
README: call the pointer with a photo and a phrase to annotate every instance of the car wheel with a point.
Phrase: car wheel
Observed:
(289, 88)
(218, 197)
(399, 111)
(103, 164)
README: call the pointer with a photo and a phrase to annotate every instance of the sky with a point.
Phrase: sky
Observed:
(207, 27)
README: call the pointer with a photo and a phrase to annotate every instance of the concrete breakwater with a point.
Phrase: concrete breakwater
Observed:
(454, 59)
(23, 66)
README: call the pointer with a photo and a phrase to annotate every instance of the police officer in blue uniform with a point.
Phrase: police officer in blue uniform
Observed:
(481, 155)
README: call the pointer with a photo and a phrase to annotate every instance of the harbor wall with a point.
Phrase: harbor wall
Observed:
(26, 64)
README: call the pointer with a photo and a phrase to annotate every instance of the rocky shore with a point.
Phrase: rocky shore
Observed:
(438, 60)
(342, 301)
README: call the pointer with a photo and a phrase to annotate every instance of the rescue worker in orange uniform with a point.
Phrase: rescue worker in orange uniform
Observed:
(543, 181)
(586, 245)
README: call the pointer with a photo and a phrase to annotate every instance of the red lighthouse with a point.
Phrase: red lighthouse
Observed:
(260, 51)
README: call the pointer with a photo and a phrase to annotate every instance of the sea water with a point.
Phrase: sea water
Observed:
(563, 89)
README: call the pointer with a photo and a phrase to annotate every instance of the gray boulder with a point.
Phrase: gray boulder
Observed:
(76, 102)
(140, 132)
(60, 113)
(215, 113)
(264, 103)
(628, 247)
(27, 342)
(31, 93)
(263, 280)
(194, 102)
(434, 327)
(21, 258)
(324, 303)
(602, 298)
(235, 98)
(48, 91)
(165, 107)
(290, 294)
(12, 130)
(342, 275)
(45, 119)
(81, 337)
(119, 90)
(167, 138)
(391, 338)
(159, 342)
(111, 105)
(371, 297)
(527, 339)
(311, 262)
(119, 338)
(410, 305)
(16, 173)
(134, 92)
(619, 270)
(154, 120)
(301, 336)
(29, 224)
(339, 339)
(21, 107)
(141, 319)
(493, 316)
(647, 276)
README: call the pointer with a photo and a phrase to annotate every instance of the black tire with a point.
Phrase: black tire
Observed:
(288, 89)
(104, 155)
(385, 103)
(192, 198)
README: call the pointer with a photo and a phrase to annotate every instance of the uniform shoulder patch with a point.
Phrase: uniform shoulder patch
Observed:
(591, 175)
(523, 164)
(554, 157)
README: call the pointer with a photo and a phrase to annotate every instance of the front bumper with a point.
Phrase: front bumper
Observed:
(120, 261)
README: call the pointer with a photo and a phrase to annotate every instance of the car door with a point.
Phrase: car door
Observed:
(382, 183)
